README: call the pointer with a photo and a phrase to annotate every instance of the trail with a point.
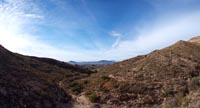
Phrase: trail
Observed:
(81, 102)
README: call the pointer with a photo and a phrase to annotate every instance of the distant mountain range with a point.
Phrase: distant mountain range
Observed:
(101, 62)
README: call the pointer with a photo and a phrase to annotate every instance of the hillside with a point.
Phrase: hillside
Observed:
(31, 82)
(164, 78)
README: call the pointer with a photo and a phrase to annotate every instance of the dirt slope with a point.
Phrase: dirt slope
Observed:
(162, 78)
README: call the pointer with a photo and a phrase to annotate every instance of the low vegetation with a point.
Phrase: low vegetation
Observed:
(76, 88)
(93, 97)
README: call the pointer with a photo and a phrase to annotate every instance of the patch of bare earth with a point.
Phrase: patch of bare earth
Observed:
(81, 101)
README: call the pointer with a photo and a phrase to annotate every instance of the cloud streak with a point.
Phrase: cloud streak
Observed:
(17, 33)
(12, 21)
(115, 33)
(116, 43)
(163, 32)
(14, 35)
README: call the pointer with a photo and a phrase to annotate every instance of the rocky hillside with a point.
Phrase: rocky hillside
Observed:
(164, 78)
(31, 82)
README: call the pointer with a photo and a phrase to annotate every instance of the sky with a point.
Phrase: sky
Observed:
(90, 30)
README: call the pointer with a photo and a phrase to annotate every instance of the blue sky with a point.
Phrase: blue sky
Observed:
(87, 30)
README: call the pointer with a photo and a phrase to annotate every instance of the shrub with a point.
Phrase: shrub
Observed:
(194, 83)
(167, 92)
(179, 99)
(93, 97)
(85, 81)
(105, 78)
(76, 88)
(88, 92)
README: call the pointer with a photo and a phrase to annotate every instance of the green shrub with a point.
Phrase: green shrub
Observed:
(76, 88)
(195, 83)
(93, 97)
(103, 89)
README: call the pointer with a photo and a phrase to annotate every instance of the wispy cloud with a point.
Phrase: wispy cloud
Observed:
(118, 38)
(13, 20)
(116, 43)
(115, 33)
(163, 32)
(15, 35)
(35, 16)
(16, 17)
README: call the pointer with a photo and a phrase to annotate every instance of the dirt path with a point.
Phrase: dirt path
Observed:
(81, 102)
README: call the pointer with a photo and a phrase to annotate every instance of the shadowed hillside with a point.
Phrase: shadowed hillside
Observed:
(31, 82)
(164, 78)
